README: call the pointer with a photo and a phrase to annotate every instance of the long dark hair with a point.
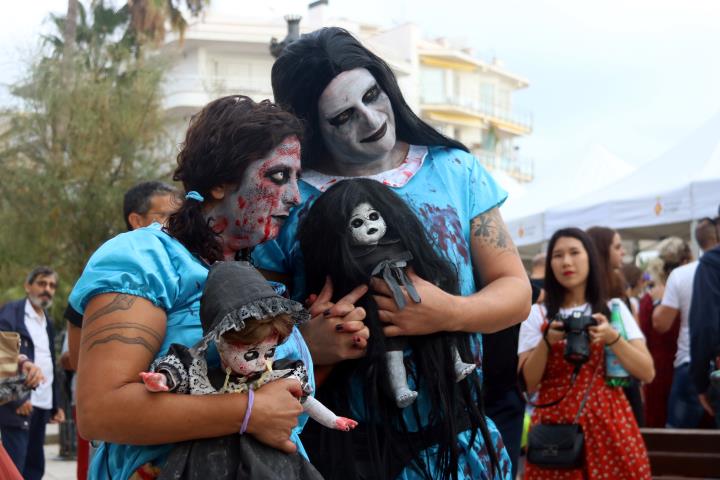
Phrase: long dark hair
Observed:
(613, 278)
(595, 288)
(223, 139)
(326, 249)
(308, 65)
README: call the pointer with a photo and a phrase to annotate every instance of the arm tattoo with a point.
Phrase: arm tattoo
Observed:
(490, 229)
(125, 325)
(120, 338)
(120, 302)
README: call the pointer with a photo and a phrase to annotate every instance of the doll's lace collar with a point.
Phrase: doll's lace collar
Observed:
(396, 177)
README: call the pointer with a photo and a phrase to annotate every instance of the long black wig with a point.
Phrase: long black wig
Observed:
(309, 64)
(385, 443)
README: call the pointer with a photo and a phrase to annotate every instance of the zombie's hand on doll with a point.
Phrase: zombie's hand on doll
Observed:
(346, 424)
(336, 331)
(154, 382)
(433, 314)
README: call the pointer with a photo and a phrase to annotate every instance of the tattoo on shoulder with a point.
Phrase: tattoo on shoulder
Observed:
(490, 228)
(123, 326)
(120, 302)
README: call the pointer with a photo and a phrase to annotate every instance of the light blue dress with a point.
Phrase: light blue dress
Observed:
(447, 192)
(150, 264)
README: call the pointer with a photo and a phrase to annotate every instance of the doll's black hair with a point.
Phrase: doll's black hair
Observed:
(453, 407)
(309, 64)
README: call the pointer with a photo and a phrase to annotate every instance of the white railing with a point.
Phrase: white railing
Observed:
(215, 86)
(489, 109)
(520, 168)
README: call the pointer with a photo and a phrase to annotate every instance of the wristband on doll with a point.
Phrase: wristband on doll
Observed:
(248, 411)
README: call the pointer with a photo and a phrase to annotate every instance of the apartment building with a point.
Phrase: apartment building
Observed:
(459, 94)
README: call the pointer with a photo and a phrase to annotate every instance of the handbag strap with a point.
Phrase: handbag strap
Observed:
(587, 393)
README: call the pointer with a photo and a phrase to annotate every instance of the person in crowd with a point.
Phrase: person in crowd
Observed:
(662, 346)
(610, 260)
(148, 202)
(23, 422)
(140, 293)
(684, 408)
(143, 204)
(360, 126)
(31, 376)
(705, 326)
(537, 275)
(573, 283)
(634, 286)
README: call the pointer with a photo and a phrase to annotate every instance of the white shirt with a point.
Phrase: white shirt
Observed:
(42, 396)
(531, 329)
(678, 295)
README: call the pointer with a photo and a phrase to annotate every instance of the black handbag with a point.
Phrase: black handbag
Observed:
(558, 446)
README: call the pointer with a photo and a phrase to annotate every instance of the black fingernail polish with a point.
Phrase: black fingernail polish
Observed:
(326, 312)
(339, 327)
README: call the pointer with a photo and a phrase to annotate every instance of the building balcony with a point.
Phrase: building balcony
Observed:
(191, 92)
(519, 168)
(464, 110)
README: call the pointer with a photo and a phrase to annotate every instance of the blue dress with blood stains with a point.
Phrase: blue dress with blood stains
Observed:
(447, 188)
(150, 264)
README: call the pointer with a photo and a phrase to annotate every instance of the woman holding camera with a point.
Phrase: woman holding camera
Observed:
(573, 285)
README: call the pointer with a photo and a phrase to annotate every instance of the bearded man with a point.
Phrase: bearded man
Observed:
(22, 422)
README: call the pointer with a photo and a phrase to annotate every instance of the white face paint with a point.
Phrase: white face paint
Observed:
(366, 225)
(248, 360)
(356, 118)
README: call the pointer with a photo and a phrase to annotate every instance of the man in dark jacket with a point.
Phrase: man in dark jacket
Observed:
(705, 328)
(22, 422)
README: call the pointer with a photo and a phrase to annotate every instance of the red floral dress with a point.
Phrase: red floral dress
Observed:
(614, 448)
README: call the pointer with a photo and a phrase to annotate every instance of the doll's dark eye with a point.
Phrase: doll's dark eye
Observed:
(270, 353)
(356, 223)
(251, 355)
(374, 216)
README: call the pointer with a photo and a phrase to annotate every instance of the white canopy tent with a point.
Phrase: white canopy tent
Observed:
(524, 213)
(660, 198)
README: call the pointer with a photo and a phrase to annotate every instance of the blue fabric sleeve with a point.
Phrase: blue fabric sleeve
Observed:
(135, 263)
(484, 192)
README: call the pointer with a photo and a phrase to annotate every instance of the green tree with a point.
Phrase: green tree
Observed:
(89, 125)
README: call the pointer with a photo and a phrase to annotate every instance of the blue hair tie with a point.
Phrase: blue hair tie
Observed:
(193, 195)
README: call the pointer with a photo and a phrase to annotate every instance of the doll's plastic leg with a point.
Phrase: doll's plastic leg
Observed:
(398, 379)
(462, 369)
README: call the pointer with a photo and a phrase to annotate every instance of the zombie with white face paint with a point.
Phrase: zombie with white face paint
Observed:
(246, 319)
(140, 293)
(360, 126)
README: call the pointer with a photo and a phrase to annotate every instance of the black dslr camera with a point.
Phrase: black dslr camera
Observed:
(577, 339)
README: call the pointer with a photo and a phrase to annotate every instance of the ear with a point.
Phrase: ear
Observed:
(218, 192)
(135, 220)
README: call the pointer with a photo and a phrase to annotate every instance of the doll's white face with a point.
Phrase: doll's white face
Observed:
(248, 360)
(366, 225)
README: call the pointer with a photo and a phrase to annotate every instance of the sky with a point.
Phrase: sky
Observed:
(634, 76)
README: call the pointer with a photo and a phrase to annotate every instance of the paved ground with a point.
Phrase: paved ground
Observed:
(56, 468)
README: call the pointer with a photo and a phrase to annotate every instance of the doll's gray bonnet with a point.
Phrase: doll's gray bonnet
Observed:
(236, 291)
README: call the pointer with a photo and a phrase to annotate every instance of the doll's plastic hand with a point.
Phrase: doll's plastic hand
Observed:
(336, 331)
(432, 314)
(155, 382)
(33, 374)
(275, 413)
(603, 331)
(347, 424)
